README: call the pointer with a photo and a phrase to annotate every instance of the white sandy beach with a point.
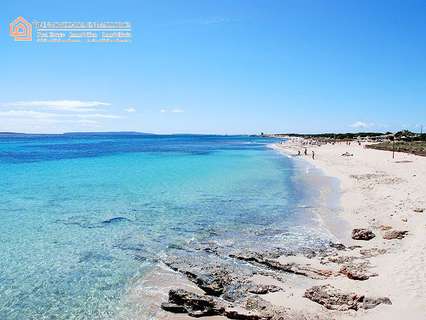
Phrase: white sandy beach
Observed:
(376, 191)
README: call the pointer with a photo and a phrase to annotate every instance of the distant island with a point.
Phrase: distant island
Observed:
(113, 133)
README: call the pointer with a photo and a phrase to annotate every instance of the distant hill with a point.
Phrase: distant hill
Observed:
(111, 133)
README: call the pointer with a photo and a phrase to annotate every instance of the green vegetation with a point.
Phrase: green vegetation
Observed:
(336, 136)
(403, 135)
(414, 147)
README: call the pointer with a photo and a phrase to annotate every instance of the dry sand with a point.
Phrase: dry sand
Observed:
(376, 190)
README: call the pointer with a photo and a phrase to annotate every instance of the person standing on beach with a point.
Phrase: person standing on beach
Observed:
(306, 151)
(313, 154)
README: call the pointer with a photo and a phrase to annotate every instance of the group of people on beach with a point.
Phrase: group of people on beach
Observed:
(306, 153)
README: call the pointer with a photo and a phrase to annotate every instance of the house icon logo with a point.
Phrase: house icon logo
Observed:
(21, 30)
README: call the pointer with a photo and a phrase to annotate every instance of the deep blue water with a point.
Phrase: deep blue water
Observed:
(81, 215)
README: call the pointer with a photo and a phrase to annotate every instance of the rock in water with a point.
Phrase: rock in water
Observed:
(394, 234)
(335, 299)
(115, 220)
(362, 234)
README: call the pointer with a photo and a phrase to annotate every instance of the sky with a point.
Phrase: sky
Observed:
(220, 66)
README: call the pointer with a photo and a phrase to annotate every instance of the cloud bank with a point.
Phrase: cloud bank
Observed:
(65, 105)
(54, 115)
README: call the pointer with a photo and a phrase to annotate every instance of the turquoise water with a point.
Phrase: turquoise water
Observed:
(81, 215)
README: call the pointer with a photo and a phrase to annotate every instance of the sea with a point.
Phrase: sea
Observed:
(84, 215)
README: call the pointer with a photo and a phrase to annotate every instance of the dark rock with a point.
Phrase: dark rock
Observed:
(335, 299)
(419, 210)
(362, 234)
(115, 220)
(174, 308)
(337, 246)
(394, 234)
(194, 304)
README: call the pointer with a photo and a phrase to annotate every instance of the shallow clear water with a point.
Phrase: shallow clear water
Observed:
(81, 215)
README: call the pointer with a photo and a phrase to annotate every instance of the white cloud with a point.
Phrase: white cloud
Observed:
(130, 110)
(99, 116)
(361, 124)
(174, 110)
(29, 114)
(56, 115)
(64, 105)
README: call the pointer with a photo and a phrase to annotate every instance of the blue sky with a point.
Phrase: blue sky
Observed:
(220, 67)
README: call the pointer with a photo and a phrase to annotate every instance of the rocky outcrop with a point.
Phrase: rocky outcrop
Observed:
(356, 271)
(214, 278)
(373, 252)
(337, 246)
(195, 305)
(230, 290)
(173, 308)
(292, 267)
(362, 234)
(394, 234)
(335, 299)
(263, 288)
(339, 259)
(182, 301)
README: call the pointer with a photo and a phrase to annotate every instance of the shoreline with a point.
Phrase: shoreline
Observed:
(326, 204)
(350, 279)
(377, 193)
